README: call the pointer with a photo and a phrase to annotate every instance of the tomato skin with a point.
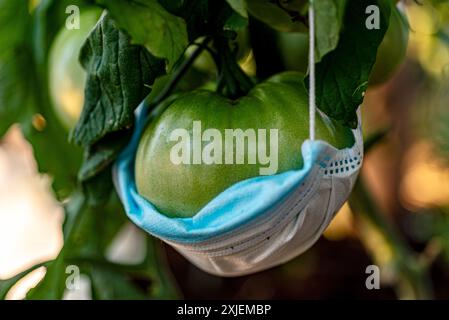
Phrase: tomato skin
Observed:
(278, 103)
(66, 76)
(270, 13)
(392, 51)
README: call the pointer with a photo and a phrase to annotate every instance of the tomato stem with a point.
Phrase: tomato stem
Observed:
(178, 74)
(294, 15)
(233, 82)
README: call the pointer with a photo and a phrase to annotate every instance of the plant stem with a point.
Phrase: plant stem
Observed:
(413, 274)
(232, 80)
(294, 15)
(178, 74)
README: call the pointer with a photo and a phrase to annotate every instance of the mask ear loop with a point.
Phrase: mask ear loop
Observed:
(312, 96)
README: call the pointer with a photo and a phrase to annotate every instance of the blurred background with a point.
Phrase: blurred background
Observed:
(397, 217)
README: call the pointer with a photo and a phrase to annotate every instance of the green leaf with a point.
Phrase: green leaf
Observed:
(119, 76)
(150, 25)
(96, 171)
(235, 23)
(342, 75)
(239, 6)
(17, 94)
(98, 188)
(194, 13)
(88, 232)
(74, 210)
(89, 229)
(329, 18)
(53, 285)
(206, 18)
(102, 154)
(157, 269)
(109, 284)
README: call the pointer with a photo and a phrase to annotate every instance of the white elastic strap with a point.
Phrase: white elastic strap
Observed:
(312, 97)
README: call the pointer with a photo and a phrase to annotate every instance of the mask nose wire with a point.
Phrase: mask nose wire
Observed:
(312, 96)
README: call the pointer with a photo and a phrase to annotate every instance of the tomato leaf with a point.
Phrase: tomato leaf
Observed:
(91, 228)
(195, 14)
(342, 75)
(109, 284)
(156, 268)
(119, 76)
(329, 20)
(206, 18)
(239, 6)
(95, 173)
(102, 154)
(235, 22)
(88, 231)
(53, 285)
(17, 95)
(150, 25)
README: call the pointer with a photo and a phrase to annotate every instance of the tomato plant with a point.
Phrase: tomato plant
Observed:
(180, 64)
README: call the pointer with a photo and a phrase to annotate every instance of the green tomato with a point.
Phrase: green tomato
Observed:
(279, 16)
(294, 50)
(182, 189)
(66, 76)
(392, 50)
(205, 62)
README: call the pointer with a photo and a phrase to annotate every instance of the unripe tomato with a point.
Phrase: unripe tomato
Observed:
(205, 62)
(66, 76)
(294, 50)
(281, 16)
(182, 189)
